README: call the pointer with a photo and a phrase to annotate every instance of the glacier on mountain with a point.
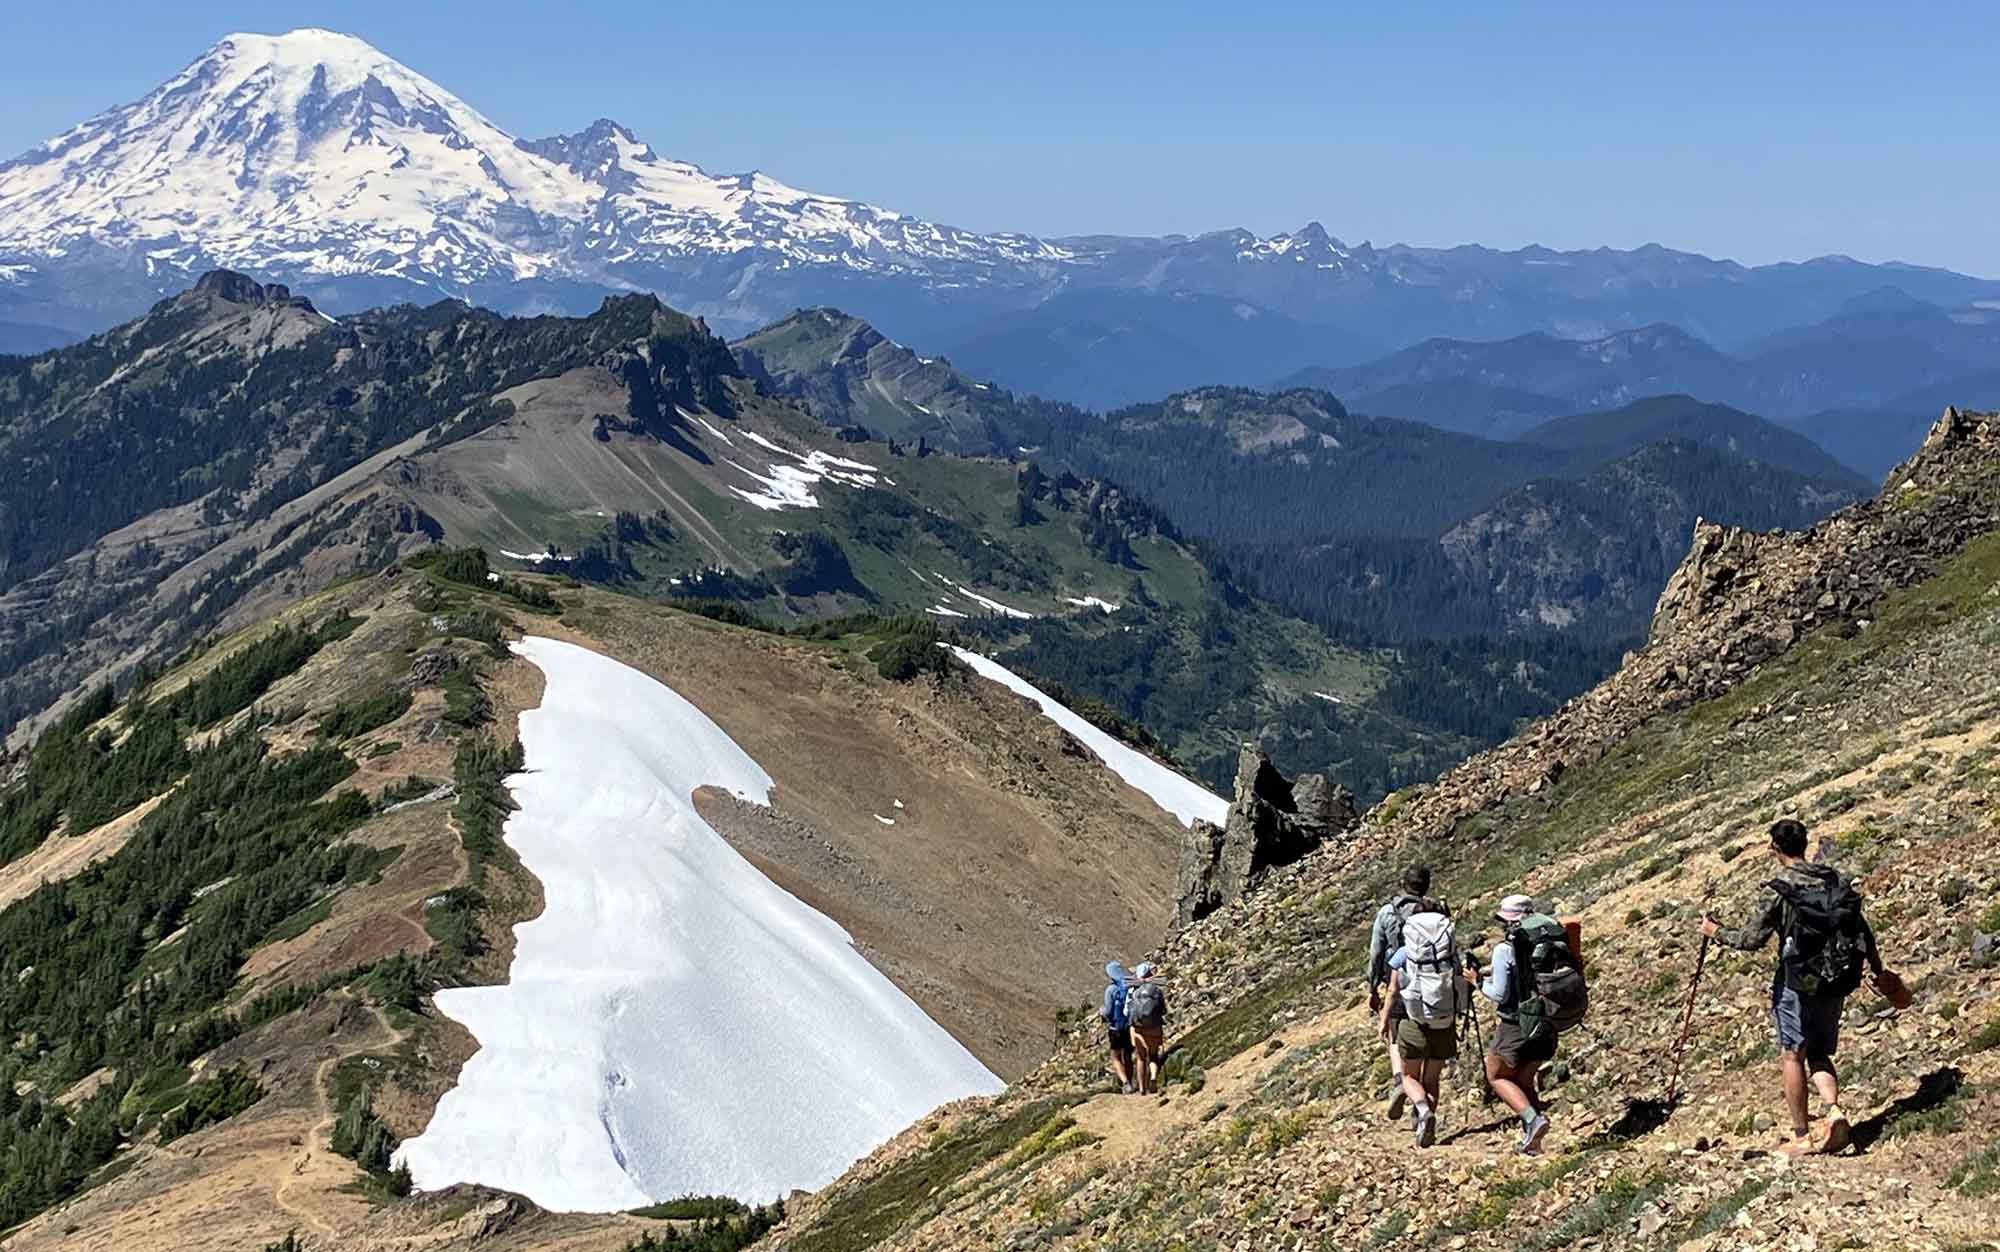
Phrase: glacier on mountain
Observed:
(313, 152)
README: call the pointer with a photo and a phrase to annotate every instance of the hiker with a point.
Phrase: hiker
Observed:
(1117, 1024)
(1823, 940)
(1536, 986)
(1423, 979)
(1146, 1008)
(1383, 939)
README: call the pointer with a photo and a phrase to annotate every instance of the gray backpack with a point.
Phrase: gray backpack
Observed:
(1433, 992)
(1146, 1003)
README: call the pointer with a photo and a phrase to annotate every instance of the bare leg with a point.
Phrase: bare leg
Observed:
(1120, 1068)
(1838, 1132)
(1792, 1068)
(1414, 1085)
(1433, 1079)
(1505, 1084)
(1530, 1072)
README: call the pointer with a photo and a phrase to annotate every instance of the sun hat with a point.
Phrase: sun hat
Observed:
(1514, 908)
(1145, 969)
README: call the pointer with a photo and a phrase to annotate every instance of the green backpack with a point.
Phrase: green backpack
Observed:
(1549, 992)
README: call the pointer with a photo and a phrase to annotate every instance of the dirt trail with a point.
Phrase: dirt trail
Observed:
(317, 1171)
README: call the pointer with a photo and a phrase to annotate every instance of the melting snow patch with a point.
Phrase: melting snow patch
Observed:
(942, 610)
(995, 605)
(535, 558)
(786, 488)
(1092, 602)
(713, 431)
(899, 804)
(886, 821)
(1183, 797)
(1329, 699)
(732, 1042)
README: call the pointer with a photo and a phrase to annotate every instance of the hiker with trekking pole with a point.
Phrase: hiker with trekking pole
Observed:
(1537, 989)
(1384, 938)
(1823, 943)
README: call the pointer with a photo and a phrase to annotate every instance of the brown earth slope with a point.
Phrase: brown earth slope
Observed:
(1015, 867)
(1849, 676)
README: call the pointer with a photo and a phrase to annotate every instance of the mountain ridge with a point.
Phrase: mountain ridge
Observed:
(320, 161)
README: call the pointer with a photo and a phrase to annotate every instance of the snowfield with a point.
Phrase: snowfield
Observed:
(673, 1022)
(1177, 794)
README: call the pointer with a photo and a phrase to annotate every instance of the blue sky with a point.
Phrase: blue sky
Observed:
(1866, 129)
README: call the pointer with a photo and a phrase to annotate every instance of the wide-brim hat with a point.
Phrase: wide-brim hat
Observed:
(1514, 908)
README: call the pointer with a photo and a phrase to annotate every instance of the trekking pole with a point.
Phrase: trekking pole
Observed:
(1687, 1010)
(1486, 1095)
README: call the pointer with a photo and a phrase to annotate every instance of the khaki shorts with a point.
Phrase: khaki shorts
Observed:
(1425, 1043)
(1514, 1051)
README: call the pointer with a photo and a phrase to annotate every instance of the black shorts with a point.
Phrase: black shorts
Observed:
(1121, 1038)
(1515, 1052)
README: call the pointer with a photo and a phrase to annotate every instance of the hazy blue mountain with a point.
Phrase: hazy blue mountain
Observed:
(1717, 426)
(23, 339)
(1102, 347)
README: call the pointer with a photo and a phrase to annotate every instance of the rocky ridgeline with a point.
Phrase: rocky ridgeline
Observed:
(1270, 1132)
(1739, 599)
(1271, 823)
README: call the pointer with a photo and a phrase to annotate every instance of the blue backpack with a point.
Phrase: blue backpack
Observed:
(1119, 1019)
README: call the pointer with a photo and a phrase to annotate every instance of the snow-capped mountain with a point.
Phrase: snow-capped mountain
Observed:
(314, 154)
(314, 159)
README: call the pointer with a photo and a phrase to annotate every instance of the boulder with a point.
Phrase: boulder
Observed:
(1271, 822)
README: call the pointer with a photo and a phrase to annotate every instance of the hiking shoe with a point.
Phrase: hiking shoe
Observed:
(1531, 1138)
(1397, 1099)
(1838, 1134)
(1426, 1128)
(1129, 1088)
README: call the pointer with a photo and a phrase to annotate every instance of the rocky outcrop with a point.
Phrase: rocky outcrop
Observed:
(1271, 822)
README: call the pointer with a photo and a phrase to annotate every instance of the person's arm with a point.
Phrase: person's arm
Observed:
(1754, 933)
(1378, 939)
(1501, 975)
(1395, 988)
(1874, 954)
(1104, 1009)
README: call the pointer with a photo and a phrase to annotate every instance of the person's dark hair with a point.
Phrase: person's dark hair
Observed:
(1788, 836)
(1417, 879)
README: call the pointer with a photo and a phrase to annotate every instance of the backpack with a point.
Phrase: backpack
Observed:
(1549, 992)
(1823, 947)
(1404, 908)
(1121, 1016)
(1432, 990)
(1146, 1003)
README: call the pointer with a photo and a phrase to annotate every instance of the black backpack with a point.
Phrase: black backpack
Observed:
(1549, 991)
(1823, 935)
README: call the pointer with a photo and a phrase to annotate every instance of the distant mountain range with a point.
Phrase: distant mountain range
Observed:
(1864, 383)
(314, 159)
(1398, 528)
